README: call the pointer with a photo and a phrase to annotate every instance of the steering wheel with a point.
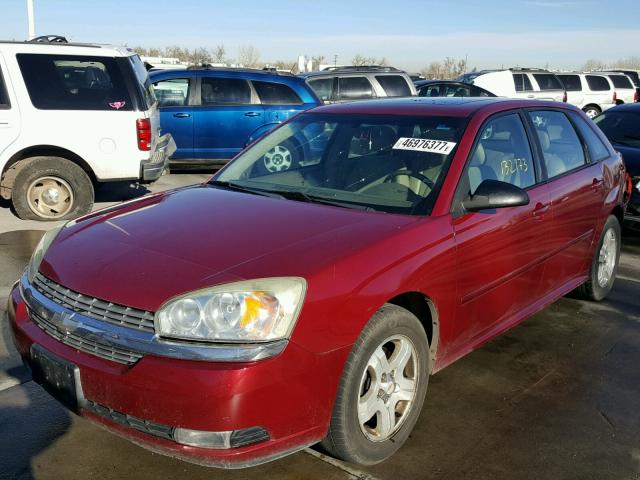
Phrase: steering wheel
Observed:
(418, 176)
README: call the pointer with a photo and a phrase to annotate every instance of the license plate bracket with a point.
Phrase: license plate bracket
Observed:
(57, 376)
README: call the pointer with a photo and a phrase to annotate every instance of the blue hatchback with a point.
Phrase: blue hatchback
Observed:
(214, 113)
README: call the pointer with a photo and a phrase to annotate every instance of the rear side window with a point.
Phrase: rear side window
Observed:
(597, 149)
(522, 82)
(394, 85)
(429, 91)
(172, 92)
(561, 147)
(547, 81)
(571, 83)
(142, 76)
(352, 88)
(323, 88)
(71, 82)
(598, 83)
(225, 91)
(621, 81)
(4, 97)
(276, 93)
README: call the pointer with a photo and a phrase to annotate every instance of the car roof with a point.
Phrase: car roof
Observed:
(420, 83)
(446, 106)
(245, 73)
(353, 71)
(94, 49)
(630, 107)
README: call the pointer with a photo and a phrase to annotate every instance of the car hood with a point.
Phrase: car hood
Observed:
(631, 156)
(142, 253)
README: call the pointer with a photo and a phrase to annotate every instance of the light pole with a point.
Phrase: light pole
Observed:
(31, 20)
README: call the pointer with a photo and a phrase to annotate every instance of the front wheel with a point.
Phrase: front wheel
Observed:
(382, 389)
(604, 265)
(591, 111)
(280, 158)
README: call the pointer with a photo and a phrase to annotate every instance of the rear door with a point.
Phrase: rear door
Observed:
(355, 88)
(550, 87)
(523, 85)
(176, 113)
(228, 111)
(576, 93)
(9, 113)
(278, 100)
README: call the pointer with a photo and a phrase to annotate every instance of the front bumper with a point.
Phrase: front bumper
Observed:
(147, 400)
(152, 168)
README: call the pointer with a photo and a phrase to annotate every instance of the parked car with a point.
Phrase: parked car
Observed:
(625, 90)
(634, 76)
(449, 88)
(519, 83)
(593, 93)
(344, 84)
(621, 125)
(73, 116)
(213, 113)
(243, 319)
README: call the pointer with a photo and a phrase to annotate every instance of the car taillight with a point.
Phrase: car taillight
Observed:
(143, 130)
(615, 97)
(635, 97)
(564, 97)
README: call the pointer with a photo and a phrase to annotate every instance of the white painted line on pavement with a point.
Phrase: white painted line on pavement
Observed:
(353, 472)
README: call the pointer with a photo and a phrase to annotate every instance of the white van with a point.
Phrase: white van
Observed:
(592, 92)
(72, 116)
(519, 83)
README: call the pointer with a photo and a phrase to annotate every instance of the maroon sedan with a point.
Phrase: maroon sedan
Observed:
(237, 321)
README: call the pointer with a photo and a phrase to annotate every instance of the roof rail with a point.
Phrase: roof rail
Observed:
(361, 68)
(266, 71)
(48, 39)
(525, 69)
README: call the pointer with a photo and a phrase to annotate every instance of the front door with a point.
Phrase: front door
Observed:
(9, 113)
(176, 113)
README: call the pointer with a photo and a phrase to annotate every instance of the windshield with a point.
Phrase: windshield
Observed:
(620, 127)
(386, 163)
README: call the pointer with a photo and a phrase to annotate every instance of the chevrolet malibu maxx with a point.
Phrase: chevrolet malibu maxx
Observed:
(237, 321)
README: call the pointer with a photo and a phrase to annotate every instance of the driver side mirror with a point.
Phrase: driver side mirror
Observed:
(492, 194)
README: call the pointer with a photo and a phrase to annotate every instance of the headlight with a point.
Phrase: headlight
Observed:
(250, 311)
(38, 254)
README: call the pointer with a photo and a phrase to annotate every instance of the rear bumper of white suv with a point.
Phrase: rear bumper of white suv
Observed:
(152, 168)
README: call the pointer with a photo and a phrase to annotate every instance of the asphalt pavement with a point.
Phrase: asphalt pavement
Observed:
(557, 397)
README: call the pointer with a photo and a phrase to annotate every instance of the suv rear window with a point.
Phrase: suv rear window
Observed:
(598, 83)
(276, 93)
(394, 85)
(352, 88)
(72, 82)
(571, 82)
(522, 82)
(547, 81)
(4, 98)
(621, 81)
(225, 91)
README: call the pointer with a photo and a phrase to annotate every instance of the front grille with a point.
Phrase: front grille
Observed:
(94, 307)
(92, 347)
(145, 426)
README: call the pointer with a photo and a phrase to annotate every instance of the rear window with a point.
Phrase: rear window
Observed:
(225, 91)
(276, 93)
(547, 81)
(634, 77)
(598, 83)
(144, 83)
(394, 85)
(621, 81)
(571, 82)
(522, 82)
(71, 82)
(352, 88)
(4, 98)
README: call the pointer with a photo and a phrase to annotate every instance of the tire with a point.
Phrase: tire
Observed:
(281, 157)
(607, 257)
(592, 111)
(50, 189)
(351, 437)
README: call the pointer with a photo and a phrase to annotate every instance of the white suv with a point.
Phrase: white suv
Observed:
(625, 89)
(519, 83)
(592, 92)
(72, 116)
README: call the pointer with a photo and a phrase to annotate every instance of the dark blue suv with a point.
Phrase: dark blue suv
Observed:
(213, 113)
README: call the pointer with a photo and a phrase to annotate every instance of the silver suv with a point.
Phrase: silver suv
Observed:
(343, 84)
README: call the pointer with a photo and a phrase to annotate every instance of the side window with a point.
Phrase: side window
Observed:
(457, 91)
(353, 88)
(430, 91)
(621, 81)
(522, 82)
(323, 88)
(598, 83)
(571, 83)
(4, 97)
(73, 82)
(547, 81)
(173, 92)
(394, 85)
(276, 93)
(479, 92)
(225, 91)
(502, 153)
(597, 149)
(561, 146)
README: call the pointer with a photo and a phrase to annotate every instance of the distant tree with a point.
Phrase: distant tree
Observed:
(249, 56)
(317, 61)
(219, 54)
(361, 60)
(593, 64)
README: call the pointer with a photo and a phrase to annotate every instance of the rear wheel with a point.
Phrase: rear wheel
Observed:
(382, 389)
(51, 188)
(280, 158)
(604, 265)
(592, 111)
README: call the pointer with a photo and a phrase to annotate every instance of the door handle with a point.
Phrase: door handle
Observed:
(541, 209)
(252, 114)
(182, 115)
(597, 183)
(531, 96)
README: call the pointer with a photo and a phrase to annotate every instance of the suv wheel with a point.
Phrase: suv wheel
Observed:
(51, 188)
(382, 388)
(591, 111)
(281, 157)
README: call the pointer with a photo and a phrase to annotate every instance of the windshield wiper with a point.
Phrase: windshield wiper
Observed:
(305, 197)
(239, 188)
